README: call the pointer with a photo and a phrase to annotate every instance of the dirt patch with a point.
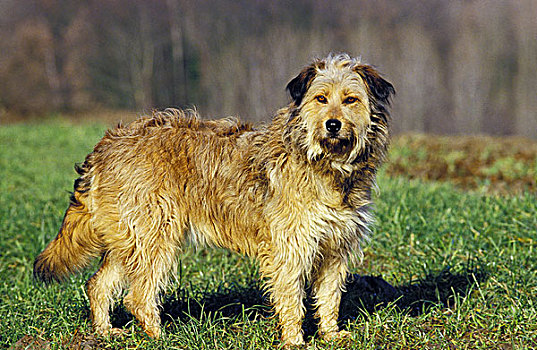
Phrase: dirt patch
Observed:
(29, 342)
(77, 341)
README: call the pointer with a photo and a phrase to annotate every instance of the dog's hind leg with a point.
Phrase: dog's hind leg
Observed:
(147, 276)
(103, 287)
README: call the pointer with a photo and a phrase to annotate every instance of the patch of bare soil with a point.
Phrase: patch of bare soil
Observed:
(78, 341)
(29, 342)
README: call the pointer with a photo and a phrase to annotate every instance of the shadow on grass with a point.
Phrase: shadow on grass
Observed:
(368, 293)
(364, 295)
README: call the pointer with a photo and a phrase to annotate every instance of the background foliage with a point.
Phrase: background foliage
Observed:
(458, 66)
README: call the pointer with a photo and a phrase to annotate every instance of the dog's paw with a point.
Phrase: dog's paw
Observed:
(293, 342)
(337, 336)
(117, 332)
(153, 332)
(110, 332)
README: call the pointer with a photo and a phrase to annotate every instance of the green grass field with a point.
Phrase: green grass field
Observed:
(463, 264)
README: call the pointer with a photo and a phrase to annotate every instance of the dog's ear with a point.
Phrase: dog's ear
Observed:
(379, 88)
(300, 84)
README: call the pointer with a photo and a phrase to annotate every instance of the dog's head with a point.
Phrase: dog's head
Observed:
(337, 102)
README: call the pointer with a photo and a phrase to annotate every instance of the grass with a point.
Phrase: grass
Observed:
(461, 263)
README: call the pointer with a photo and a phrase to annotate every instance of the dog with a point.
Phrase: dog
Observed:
(295, 194)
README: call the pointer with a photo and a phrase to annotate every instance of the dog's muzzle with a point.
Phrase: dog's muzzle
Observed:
(335, 140)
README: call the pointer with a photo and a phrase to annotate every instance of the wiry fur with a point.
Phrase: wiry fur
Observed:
(290, 194)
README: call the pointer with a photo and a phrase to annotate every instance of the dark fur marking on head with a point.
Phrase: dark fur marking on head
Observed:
(299, 85)
(379, 88)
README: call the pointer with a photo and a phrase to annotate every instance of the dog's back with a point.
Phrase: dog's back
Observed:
(120, 174)
(145, 189)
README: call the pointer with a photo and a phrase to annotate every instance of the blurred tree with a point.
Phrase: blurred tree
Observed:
(30, 79)
(176, 16)
(525, 84)
(79, 43)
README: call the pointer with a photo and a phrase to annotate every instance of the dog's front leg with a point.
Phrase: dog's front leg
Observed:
(286, 281)
(327, 288)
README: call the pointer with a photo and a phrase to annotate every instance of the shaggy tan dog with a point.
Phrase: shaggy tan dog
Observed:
(295, 194)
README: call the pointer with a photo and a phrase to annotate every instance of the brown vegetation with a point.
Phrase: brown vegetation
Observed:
(497, 165)
(76, 341)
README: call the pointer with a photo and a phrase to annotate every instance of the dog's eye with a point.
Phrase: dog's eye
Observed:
(321, 99)
(349, 100)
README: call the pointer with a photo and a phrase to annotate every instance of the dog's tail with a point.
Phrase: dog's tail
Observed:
(77, 242)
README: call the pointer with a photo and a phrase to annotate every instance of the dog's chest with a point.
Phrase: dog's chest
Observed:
(331, 214)
(337, 220)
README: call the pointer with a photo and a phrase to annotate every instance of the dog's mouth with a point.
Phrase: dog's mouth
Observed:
(337, 143)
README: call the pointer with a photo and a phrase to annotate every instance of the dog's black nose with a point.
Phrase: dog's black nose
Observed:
(333, 125)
